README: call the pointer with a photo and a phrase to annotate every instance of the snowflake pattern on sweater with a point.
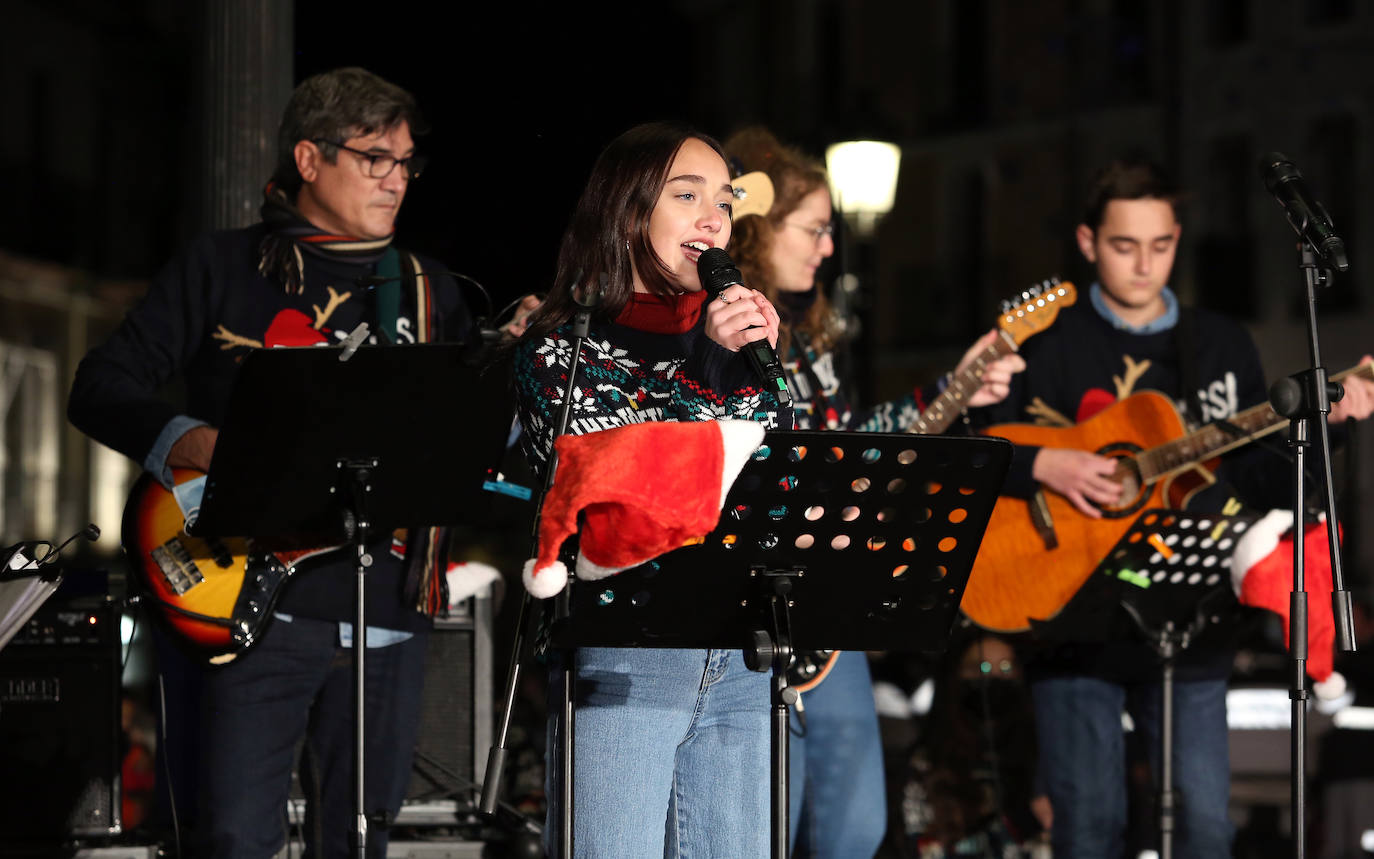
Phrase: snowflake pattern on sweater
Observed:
(820, 400)
(619, 383)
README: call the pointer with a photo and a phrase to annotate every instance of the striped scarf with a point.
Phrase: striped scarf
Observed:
(289, 233)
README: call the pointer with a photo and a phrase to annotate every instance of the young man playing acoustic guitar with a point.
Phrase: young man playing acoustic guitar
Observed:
(1132, 335)
(346, 158)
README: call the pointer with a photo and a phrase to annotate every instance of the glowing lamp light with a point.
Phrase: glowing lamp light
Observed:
(863, 179)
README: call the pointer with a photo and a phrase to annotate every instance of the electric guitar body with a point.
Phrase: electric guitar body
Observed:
(216, 596)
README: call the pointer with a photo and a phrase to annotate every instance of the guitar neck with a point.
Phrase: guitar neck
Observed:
(1213, 440)
(950, 404)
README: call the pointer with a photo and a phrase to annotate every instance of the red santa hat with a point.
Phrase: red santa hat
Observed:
(642, 490)
(1262, 574)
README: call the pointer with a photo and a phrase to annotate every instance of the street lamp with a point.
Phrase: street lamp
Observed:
(863, 180)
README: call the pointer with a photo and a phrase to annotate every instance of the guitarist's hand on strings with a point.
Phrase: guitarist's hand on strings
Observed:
(996, 376)
(1358, 401)
(1079, 476)
(194, 448)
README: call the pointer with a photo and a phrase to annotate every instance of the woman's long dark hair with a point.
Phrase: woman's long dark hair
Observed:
(609, 231)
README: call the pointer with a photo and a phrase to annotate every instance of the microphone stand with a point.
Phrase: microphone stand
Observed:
(496, 758)
(1306, 398)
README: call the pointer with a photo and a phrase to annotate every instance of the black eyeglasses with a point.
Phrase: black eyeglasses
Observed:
(380, 165)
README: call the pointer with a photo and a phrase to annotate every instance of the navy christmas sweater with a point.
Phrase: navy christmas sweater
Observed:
(1085, 363)
(206, 310)
(819, 396)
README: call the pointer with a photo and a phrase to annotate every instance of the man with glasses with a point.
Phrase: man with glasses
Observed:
(320, 262)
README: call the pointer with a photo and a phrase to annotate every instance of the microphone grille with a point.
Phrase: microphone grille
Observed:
(716, 270)
(1274, 168)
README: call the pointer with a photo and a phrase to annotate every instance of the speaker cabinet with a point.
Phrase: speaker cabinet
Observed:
(59, 726)
(455, 723)
(455, 718)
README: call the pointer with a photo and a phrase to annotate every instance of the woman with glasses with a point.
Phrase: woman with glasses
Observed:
(838, 806)
(671, 745)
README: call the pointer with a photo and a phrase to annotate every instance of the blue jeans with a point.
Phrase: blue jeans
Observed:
(838, 801)
(1083, 768)
(670, 756)
(297, 683)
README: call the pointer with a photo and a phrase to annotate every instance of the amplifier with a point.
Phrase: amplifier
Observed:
(59, 725)
(455, 723)
(455, 717)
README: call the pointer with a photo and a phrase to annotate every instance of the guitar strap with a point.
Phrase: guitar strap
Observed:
(427, 552)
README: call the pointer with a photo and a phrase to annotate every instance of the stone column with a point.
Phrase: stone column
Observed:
(245, 76)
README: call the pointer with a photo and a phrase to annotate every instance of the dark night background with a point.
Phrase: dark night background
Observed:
(1003, 110)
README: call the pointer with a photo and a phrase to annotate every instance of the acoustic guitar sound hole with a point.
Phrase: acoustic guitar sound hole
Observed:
(1134, 492)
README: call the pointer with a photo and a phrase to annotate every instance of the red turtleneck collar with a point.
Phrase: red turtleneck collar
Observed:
(662, 314)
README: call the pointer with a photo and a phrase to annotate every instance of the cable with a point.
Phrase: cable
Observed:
(514, 303)
(167, 762)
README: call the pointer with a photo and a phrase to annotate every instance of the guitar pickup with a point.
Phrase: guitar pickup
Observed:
(1042, 520)
(177, 566)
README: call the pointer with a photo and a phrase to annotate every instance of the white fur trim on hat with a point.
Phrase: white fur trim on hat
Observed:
(1258, 543)
(739, 439)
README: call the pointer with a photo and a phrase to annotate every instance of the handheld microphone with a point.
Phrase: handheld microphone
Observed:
(1307, 216)
(717, 271)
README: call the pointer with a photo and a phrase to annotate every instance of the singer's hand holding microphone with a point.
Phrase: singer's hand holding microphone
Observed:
(737, 316)
(741, 319)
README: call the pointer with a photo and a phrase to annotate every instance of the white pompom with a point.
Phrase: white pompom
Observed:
(546, 582)
(1331, 688)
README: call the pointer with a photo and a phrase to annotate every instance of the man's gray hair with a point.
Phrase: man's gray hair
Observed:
(335, 106)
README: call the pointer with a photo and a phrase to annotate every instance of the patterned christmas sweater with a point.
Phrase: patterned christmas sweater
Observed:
(206, 311)
(820, 402)
(632, 375)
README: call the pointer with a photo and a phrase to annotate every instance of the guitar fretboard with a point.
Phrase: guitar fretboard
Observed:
(950, 404)
(1218, 438)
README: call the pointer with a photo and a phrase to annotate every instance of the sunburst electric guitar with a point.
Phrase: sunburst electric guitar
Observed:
(215, 595)
(1036, 554)
(1022, 317)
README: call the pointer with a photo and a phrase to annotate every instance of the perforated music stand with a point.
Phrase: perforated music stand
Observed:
(323, 446)
(828, 541)
(1187, 582)
(1171, 574)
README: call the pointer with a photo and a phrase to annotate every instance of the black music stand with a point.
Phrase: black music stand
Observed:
(828, 541)
(325, 446)
(1171, 574)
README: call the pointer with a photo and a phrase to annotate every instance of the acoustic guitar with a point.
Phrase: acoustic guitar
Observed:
(1036, 554)
(1022, 317)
